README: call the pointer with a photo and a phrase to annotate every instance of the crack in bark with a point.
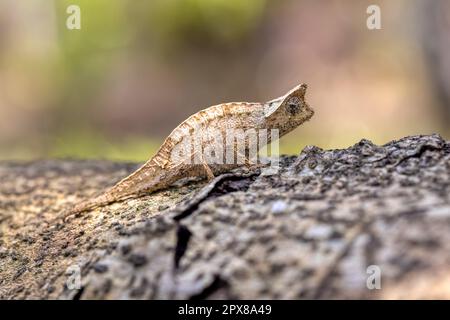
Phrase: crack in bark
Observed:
(224, 184)
(78, 295)
(183, 237)
(217, 284)
(418, 154)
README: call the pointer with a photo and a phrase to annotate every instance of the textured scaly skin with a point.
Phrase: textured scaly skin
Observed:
(284, 113)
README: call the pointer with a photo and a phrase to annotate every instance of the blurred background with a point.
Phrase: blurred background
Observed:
(117, 87)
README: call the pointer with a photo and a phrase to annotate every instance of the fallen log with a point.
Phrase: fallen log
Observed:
(363, 222)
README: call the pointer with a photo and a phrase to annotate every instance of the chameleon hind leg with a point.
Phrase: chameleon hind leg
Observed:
(206, 168)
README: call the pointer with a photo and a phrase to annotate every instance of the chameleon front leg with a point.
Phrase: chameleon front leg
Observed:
(208, 171)
(247, 162)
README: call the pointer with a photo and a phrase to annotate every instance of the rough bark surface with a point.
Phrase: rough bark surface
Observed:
(309, 231)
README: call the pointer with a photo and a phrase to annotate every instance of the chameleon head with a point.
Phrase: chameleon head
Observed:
(290, 110)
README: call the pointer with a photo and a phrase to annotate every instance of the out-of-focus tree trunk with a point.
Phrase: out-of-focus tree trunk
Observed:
(434, 24)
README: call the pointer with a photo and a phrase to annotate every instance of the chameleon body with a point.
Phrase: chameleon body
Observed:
(162, 170)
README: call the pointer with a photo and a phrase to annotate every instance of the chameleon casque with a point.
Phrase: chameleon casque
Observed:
(284, 114)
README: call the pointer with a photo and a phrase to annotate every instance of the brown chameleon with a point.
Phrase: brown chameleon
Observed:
(164, 168)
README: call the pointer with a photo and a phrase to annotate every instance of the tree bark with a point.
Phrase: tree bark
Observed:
(364, 222)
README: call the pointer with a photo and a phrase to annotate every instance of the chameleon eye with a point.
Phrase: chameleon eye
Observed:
(293, 106)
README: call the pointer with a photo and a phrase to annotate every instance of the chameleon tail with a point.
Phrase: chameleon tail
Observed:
(99, 201)
(147, 178)
(144, 178)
